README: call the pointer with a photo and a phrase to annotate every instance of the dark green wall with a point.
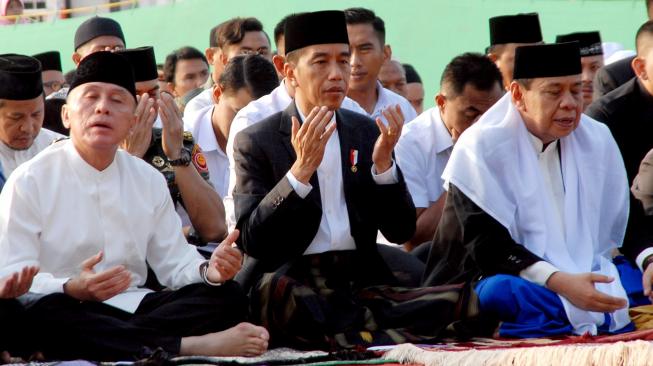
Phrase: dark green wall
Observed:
(426, 33)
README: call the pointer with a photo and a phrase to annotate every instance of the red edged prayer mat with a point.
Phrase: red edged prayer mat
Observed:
(633, 348)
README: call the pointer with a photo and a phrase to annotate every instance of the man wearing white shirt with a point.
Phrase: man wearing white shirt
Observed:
(470, 84)
(21, 111)
(244, 78)
(368, 53)
(236, 36)
(314, 184)
(79, 212)
(530, 219)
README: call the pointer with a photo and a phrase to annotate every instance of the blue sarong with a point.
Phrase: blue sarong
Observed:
(528, 310)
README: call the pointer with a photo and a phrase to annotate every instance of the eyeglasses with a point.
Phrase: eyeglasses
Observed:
(55, 85)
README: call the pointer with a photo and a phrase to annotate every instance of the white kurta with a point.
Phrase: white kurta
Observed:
(10, 158)
(496, 166)
(56, 211)
(422, 153)
(256, 111)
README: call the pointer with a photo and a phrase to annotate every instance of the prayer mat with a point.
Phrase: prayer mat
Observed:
(633, 348)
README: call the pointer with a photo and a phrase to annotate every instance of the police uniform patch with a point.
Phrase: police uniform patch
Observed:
(199, 160)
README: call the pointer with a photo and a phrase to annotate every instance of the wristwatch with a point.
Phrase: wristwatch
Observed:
(184, 158)
(204, 268)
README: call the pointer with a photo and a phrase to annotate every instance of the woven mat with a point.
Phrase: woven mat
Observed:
(634, 348)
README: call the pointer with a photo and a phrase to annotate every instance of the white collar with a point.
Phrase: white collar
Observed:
(443, 140)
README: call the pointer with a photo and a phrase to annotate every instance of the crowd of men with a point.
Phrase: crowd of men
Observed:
(230, 201)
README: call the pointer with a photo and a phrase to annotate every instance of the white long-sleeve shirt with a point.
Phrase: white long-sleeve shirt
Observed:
(56, 210)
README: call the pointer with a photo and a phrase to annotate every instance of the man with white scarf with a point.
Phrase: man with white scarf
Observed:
(529, 211)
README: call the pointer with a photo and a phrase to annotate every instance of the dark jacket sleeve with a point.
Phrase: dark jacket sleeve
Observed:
(395, 211)
(469, 244)
(275, 223)
(488, 242)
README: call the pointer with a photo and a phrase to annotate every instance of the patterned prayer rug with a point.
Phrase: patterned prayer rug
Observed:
(634, 348)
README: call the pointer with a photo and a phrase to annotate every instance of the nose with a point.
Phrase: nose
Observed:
(335, 72)
(586, 75)
(569, 100)
(354, 59)
(102, 106)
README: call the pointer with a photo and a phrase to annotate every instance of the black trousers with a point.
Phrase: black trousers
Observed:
(14, 328)
(72, 329)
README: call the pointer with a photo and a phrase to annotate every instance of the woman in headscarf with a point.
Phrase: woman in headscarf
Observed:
(9, 8)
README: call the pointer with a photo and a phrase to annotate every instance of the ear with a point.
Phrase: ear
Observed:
(289, 71)
(279, 62)
(492, 56)
(517, 94)
(77, 58)
(217, 92)
(440, 101)
(65, 116)
(639, 67)
(387, 52)
(210, 54)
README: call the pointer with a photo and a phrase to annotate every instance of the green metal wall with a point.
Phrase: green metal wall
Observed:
(426, 33)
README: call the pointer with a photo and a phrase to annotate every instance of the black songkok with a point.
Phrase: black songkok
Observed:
(589, 42)
(547, 60)
(143, 63)
(49, 60)
(411, 74)
(320, 27)
(20, 77)
(520, 28)
(105, 67)
(96, 27)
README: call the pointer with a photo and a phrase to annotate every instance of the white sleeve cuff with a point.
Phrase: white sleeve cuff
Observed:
(538, 272)
(640, 258)
(387, 177)
(45, 283)
(300, 188)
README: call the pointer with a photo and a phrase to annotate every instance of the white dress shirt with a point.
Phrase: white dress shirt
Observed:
(422, 153)
(334, 232)
(201, 126)
(256, 111)
(386, 99)
(199, 102)
(57, 210)
(11, 159)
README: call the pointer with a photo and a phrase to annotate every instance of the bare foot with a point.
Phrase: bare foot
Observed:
(245, 339)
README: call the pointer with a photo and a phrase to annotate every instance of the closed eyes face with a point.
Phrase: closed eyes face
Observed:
(20, 122)
(551, 107)
(99, 115)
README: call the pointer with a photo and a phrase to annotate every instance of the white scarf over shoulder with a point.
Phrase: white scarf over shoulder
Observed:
(495, 165)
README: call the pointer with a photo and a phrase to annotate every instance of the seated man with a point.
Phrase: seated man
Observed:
(15, 325)
(173, 153)
(243, 79)
(530, 212)
(83, 202)
(309, 200)
(470, 84)
(21, 112)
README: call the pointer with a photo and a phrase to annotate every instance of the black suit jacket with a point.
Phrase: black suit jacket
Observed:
(612, 76)
(628, 112)
(277, 225)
